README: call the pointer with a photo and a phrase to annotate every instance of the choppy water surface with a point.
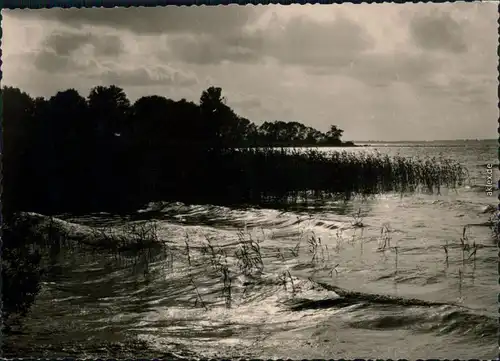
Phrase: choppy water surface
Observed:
(346, 297)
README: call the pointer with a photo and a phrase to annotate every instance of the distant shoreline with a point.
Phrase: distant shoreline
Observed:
(343, 145)
(423, 141)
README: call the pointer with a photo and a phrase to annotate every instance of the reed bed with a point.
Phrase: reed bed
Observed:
(290, 175)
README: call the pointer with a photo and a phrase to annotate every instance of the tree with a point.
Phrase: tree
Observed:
(64, 134)
(109, 106)
(236, 134)
(314, 136)
(218, 117)
(251, 136)
(334, 134)
(17, 149)
(109, 110)
(66, 116)
(188, 123)
(150, 120)
(267, 133)
(211, 99)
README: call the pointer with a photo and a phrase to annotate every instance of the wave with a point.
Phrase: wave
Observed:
(291, 224)
(117, 237)
(238, 217)
(384, 312)
(481, 188)
(443, 320)
(347, 297)
(490, 208)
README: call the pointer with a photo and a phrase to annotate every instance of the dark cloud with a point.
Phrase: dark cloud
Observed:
(438, 31)
(60, 58)
(109, 45)
(66, 43)
(58, 55)
(307, 42)
(463, 91)
(50, 62)
(154, 20)
(207, 49)
(142, 76)
(258, 109)
(382, 70)
(299, 42)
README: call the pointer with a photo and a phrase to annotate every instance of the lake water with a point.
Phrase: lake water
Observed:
(350, 297)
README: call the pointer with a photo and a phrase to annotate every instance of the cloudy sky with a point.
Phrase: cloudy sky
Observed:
(379, 71)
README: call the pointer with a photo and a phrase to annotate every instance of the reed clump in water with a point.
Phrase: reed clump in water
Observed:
(223, 268)
(142, 234)
(494, 223)
(284, 277)
(289, 175)
(466, 247)
(295, 250)
(188, 252)
(314, 244)
(317, 249)
(357, 221)
(249, 256)
(445, 248)
(133, 236)
(199, 299)
(334, 269)
(220, 264)
(385, 237)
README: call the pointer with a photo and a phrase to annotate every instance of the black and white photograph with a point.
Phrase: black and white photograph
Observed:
(250, 182)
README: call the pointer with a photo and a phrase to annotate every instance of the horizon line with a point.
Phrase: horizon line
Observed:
(426, 141)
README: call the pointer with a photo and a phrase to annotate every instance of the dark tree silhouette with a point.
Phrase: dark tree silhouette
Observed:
(17, 149)
(109, 106)
(333, 135)
(71, 154)
(219, 119)
(109, 111)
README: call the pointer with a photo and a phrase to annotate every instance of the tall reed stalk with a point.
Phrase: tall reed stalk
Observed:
(445, 247)
(199, 299)
(188, 254)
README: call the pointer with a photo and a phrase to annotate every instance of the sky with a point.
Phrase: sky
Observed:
(378, 71)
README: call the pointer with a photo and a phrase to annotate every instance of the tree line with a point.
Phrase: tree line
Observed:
(70, 153)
